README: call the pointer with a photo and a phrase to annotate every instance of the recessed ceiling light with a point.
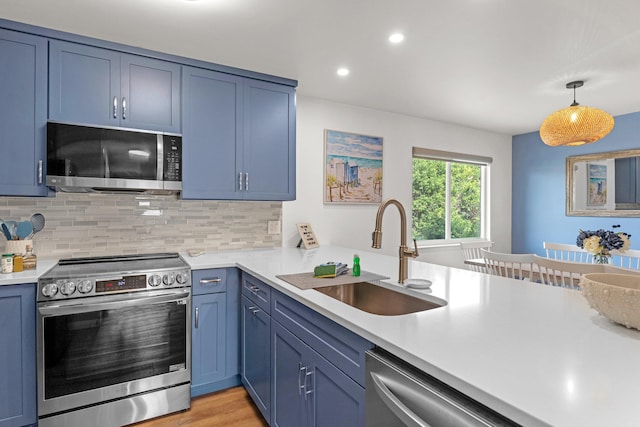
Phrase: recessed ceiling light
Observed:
(343, 71)
(396, 37)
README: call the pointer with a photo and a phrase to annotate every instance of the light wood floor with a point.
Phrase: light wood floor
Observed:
(229, 408)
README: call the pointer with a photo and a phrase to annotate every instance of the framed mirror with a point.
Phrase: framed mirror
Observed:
(604, 184)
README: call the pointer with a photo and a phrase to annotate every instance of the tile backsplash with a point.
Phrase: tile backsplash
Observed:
(94, 224)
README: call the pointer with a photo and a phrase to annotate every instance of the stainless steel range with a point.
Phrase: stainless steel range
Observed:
(114, 340)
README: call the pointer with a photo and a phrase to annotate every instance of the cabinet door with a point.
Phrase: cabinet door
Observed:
(23, 114)
(255, 358)
(290, 374)
(90, 85)
(211, 131)
(84, 84)
(208, 349)
(17, 355)
(269, 150)
(336, 399)
(150, 94)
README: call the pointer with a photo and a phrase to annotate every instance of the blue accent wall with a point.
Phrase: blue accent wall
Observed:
(538, 201)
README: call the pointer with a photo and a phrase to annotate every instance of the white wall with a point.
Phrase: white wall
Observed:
(351, 225)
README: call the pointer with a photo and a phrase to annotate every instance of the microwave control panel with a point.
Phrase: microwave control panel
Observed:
(172, 158)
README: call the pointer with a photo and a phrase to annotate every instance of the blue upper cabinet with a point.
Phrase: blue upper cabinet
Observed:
(97, 86)
(238, 137)
(23, 114)
(269, 148)
(212, 125)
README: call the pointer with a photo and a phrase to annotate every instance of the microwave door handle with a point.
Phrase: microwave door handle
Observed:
(105, 156)
(63, 310)
(160, 159)
(400, 410)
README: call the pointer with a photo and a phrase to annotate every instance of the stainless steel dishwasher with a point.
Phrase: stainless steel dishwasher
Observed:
(400, 395)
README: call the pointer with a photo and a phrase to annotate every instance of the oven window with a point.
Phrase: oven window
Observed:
(97, 349)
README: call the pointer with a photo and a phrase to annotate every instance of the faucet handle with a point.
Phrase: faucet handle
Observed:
(411, 253)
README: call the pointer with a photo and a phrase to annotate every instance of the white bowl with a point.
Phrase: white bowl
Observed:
(615, 296)
(418, 283)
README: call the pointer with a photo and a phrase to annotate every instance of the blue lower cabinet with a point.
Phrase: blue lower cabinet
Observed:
(309, 390)
(215, 330)
(18, 355)
(256, 355)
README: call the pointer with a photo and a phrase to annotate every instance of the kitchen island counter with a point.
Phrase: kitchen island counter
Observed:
(536, 354)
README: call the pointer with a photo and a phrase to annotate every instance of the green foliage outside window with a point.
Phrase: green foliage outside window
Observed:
(429, 200)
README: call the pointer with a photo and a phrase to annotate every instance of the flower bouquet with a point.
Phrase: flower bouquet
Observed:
(600, 243)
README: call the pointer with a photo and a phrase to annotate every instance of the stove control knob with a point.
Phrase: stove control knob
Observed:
(169, 279)
(155, 280)
(182, 278)
(68, 288)
(85, 287)
(50, 290)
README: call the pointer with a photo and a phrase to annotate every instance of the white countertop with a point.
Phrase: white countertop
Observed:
(537, 354)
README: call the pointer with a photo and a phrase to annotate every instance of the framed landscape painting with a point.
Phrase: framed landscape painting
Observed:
(353, 168)
(597, 185)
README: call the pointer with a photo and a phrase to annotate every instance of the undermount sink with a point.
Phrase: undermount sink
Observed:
(379, 300)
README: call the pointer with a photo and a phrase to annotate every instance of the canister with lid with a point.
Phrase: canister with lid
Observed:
(7, 263)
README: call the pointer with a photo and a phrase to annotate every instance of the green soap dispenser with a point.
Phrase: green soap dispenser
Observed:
(356, 265)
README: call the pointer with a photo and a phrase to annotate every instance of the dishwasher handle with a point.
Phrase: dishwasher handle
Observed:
(395, 405)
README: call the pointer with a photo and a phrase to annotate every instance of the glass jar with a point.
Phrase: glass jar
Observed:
(29, 260)
(7, 263)
(17, 263)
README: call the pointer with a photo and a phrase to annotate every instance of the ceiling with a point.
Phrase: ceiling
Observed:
(497, 65)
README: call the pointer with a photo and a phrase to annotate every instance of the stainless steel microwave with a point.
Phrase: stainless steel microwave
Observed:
(85, 158)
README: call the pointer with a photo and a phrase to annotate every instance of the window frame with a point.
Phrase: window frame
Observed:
(485, 182)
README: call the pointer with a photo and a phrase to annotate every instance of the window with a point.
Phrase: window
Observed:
(449, 195)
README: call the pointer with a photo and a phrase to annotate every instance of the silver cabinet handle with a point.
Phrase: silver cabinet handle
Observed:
(240, 181)
(197, 317)
(254, 290)
(115, 107)
(306, 375)
(406, 415)
(301, 369)
(208, 281)
(39, 171)
(124, 108)
(246, 181)
(254, 310)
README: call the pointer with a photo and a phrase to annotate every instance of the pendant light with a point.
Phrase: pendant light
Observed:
(576, 124)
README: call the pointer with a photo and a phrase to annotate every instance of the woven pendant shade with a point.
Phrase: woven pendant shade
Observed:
(575, 125)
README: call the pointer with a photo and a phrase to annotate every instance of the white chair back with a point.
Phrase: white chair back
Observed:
(620, 270)
(629, 259)
(471, 250)
(515, 266)
(564, 273)
(566, 252)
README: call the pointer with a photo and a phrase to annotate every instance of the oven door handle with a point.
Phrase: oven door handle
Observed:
(76, 308)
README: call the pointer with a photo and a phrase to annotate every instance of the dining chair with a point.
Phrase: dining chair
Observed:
(564, 273)
(514, 266)
(566, 252)
(471, 250)
(627, 259)
(608, 268)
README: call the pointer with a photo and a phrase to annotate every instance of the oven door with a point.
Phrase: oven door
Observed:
(107, 347)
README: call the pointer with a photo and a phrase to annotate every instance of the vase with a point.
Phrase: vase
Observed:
(602, 258)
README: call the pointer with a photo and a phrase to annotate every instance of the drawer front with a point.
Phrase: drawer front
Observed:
(345, 349)
(209, 281)
(257, 291)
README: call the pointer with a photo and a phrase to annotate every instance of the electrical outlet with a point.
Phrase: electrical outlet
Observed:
(273, 227)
